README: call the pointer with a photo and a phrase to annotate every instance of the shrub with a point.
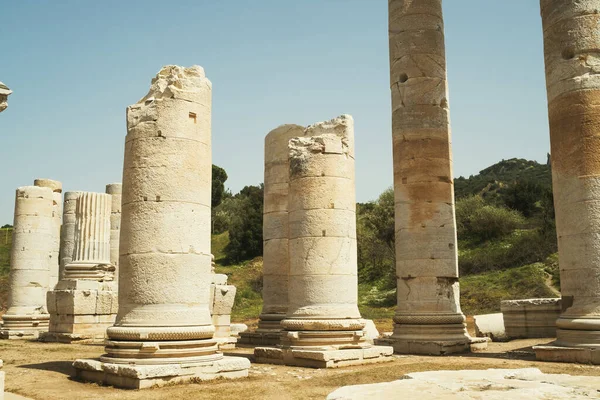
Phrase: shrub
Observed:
(480, 221)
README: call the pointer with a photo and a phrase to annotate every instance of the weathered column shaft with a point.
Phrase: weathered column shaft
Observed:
(57, 207)
(165, 260)
(571, 48)
(33, 231)
(426, 255)
(115, 190)
(91, 256)
(275, 228)
(67, 233)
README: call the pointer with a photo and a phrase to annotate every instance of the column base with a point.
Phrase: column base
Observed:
(23, 326)
(323, 358)
(565, 354)
(226, 343)
(433, 348)
(128, 376)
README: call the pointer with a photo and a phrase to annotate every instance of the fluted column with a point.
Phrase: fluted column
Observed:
(428, 318)
(31, 251)
(67, 233)
(115, 190)
(571, 48)
(57, 206)
(91, 255)
(165, 257)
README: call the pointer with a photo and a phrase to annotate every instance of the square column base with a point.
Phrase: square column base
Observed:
(128, 376)
(22, 334)
(433, 348)
(580, 355)
(323, 358)
(259, 339)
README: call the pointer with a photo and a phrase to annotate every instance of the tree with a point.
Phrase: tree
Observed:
(219, 176)
(245, 212)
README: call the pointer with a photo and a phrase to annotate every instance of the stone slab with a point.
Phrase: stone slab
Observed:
(226, 343)
(251, 339)
(323, 358)
(531, 318)
(371, 332)
(567, 354)
(491, 384)
(147, 376)
(6, 334)
(237, 329)
(491, 326)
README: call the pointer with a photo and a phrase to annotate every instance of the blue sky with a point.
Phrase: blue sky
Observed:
(76, 65)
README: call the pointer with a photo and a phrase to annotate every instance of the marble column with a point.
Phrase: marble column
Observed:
(571, 48)
(322, 314)
(164, 332)
(84, 303)
(30, 255)
(4, 93)
(57, 206)
(115, 190)
(428, 318)
(275, 236)
(67, 233)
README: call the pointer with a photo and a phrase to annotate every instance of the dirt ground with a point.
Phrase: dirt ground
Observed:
(43, 370)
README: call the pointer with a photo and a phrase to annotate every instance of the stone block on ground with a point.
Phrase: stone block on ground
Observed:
(491, 326)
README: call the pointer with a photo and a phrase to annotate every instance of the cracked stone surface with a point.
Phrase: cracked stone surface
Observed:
(492, 384)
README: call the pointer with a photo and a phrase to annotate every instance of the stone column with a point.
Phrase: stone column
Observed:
(84, 303)
(322, 316)
(428, 318)
(67, 233)
(57, 206)
(33, 231)
(571, 47)
(275, 236)
(164, 323)
(222, 297)
(115, 189)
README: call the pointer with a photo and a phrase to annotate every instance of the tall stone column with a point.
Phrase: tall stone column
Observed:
(115, 190)
(164, 330)
(428, 318)
(84, 302)
(322, 317)
(571, 47)
(275, 236)
(67, 233)
(57, 206)
(33, 231)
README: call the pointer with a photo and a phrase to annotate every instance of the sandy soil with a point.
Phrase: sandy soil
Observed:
(42, 371)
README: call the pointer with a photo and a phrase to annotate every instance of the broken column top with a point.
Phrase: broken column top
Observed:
(173, 81)
(4, 89)
(56, 186)
(4, 93)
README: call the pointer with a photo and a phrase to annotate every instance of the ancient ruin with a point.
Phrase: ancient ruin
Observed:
(164, 332)
(30, 259)
(4, 93)
(222, 297)
(84, 303)
(67, 232)
(115, 190)
(571, 46)
(428, 319)
(57, 206)
(530, 318)
(275, 237)
(323, 327)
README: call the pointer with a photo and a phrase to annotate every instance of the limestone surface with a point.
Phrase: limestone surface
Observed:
(57, 207)
(30, 257)
(222, 297)
(164, 322)
(67, 233)
(491, 326)
(428, 318)
(571, 48)
(492, 384)
(115, 191)
(531, 318)
(4, 93)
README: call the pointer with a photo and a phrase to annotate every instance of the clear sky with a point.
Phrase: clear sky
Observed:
(75, 65)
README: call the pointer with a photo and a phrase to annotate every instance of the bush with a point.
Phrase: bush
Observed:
(245, 225)
(480, 221)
